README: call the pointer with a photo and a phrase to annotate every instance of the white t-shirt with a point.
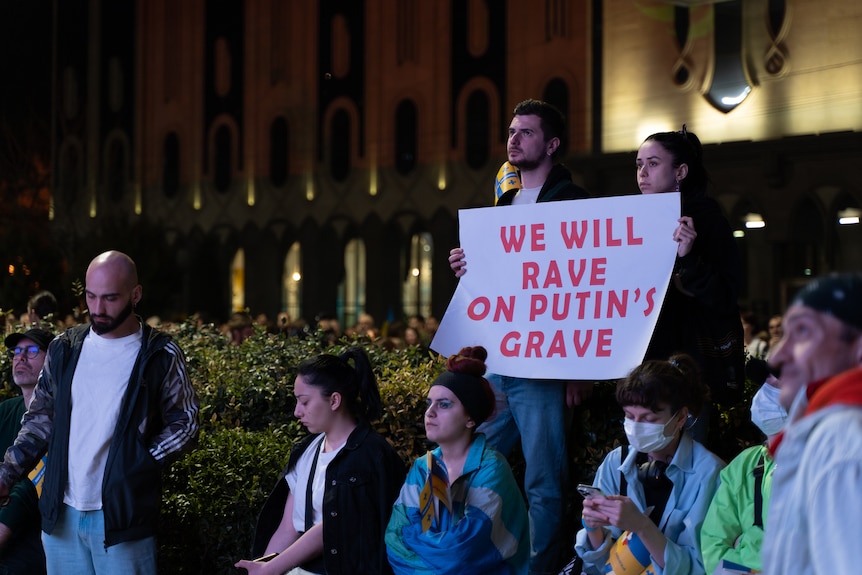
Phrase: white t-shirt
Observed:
(297, 481)
(98, 387)
(526, 196)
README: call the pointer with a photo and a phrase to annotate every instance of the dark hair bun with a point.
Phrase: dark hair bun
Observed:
(470, 360)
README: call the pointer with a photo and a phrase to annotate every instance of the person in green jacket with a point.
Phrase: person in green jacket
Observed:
(734, 524)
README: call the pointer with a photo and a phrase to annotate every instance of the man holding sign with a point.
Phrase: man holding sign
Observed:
(535, 409)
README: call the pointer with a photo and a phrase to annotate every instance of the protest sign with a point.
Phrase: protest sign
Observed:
(563, 290)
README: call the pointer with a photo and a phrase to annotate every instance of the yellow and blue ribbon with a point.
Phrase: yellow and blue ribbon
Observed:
(508, 178)
(434, 492)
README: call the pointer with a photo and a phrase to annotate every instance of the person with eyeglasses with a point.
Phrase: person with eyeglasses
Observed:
(113, 407)
(21, 550)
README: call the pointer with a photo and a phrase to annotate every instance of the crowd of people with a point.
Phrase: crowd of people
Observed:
(108, 403)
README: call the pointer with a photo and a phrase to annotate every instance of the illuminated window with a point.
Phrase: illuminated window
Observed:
(416, 290)
(291, 286)
(351, 290)
(237, 281)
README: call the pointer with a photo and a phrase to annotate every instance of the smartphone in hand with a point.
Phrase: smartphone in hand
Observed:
(588, 491)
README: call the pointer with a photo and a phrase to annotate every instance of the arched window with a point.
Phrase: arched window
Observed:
(278, 158)
(237, 281)
(351, 290)
(416, 290)
(405, 137)
(171, 166)
(477, 142)
(291, 282)
(339, 145)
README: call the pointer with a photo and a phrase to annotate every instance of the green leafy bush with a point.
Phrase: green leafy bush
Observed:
(212, 496)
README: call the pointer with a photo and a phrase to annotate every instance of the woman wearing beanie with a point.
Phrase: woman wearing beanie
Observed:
(460, 510)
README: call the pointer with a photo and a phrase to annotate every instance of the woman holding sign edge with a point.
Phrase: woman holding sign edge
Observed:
(476, 521)
(700, 315)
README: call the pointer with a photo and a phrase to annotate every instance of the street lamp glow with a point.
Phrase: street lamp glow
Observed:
(754, 221)
(849, 216)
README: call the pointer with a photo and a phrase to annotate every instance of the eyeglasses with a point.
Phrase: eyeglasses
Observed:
(30, 352)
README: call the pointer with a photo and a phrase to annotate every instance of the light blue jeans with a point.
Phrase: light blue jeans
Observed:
(76, 546)
(535, 411)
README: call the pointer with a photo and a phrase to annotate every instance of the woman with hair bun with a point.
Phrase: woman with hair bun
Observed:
(329, 509)
(460, 509)
(655, 491)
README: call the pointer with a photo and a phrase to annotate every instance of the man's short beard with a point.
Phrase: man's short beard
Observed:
(114, 323)
(526, 165)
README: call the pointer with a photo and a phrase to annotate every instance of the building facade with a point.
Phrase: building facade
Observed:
(312, 156)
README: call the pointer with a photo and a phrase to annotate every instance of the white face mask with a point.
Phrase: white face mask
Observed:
(766, 412)
(647, 437)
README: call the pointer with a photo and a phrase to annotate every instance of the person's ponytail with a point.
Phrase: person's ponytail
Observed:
(354, 381)
(366, 404)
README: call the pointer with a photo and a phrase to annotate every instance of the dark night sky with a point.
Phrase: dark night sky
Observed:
(25, 68)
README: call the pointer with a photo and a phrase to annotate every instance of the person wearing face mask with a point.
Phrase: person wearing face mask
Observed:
(659, 487)
(734, 525)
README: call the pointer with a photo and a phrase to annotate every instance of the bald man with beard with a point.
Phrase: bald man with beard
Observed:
(114, 405)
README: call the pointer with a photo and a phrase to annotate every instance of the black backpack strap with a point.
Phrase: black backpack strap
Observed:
(758, 492)
(623, 484)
